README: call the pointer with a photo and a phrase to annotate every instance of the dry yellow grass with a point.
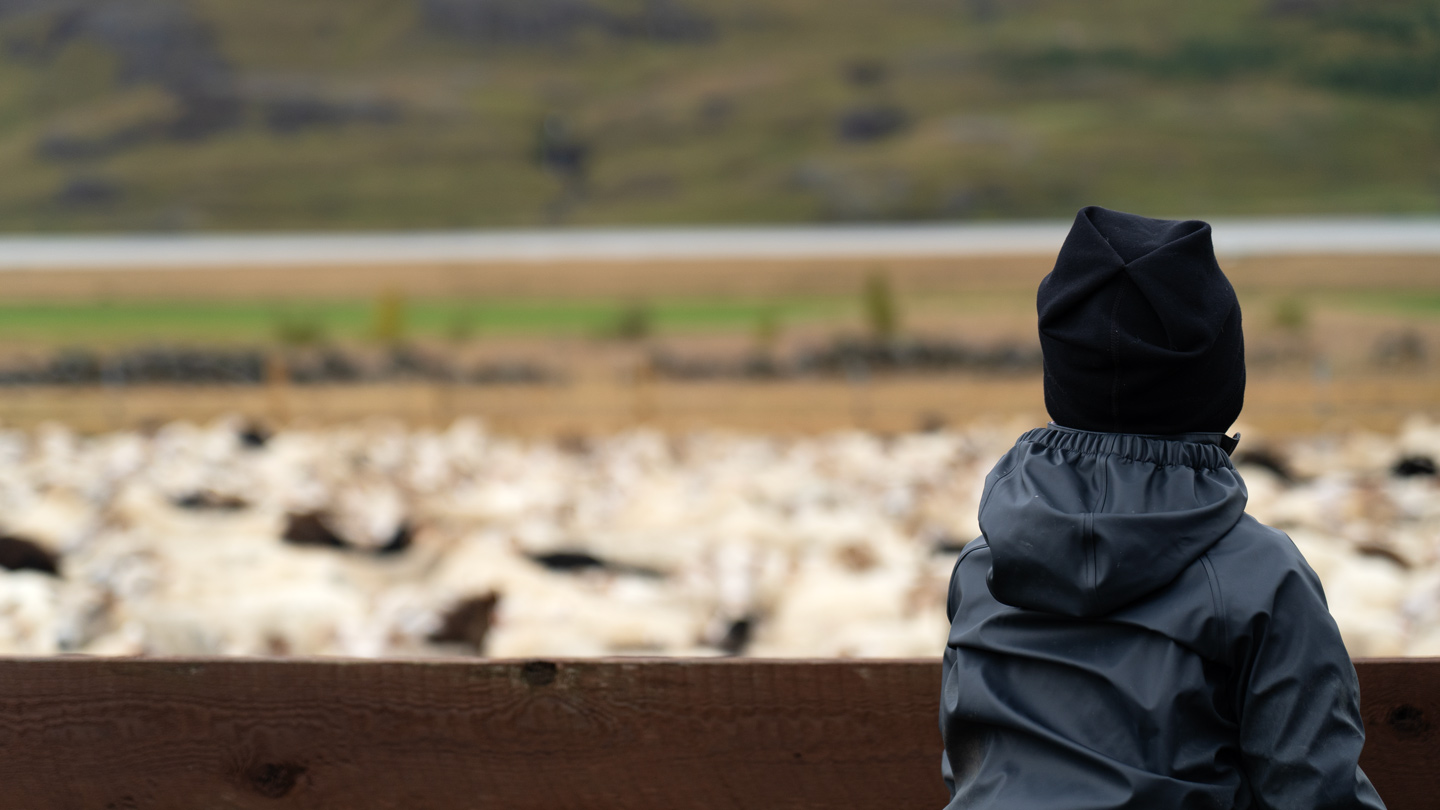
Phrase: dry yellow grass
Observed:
(1276, 405)
(612, 279)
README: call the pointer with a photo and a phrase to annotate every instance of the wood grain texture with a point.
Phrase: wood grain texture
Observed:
(238, 733)
(1400, 698)
(197, 735)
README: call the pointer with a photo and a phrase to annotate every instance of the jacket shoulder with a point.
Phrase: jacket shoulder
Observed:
(1252, 563)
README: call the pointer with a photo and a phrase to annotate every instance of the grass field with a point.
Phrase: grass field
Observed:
(1331, 341)
(978, 297)
(463, 319)
(268, 114)
(1413, 302)
(1319, 364)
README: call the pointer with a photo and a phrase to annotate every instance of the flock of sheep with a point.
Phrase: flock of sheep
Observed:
(377, 540)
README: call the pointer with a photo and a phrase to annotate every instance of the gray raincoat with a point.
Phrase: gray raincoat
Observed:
(1123, 635)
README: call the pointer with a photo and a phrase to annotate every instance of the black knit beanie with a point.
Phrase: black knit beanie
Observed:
(1140, 329)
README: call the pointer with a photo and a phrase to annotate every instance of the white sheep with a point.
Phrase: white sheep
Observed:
(832, 545)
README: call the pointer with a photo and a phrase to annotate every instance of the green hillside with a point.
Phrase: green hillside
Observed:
(333, 114)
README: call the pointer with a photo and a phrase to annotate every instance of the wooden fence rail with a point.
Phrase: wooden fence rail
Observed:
(656, 734)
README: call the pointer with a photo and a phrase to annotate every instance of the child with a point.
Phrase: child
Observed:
(1122, 634)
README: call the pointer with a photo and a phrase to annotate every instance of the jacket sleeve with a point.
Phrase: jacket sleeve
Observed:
(952, 604)
(947, 773)
(1298, 704)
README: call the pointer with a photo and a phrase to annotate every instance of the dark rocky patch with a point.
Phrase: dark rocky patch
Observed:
(1401, 349)
(665, 21)
(310, 529)
(61, 146)
(760, 366)
(254, 436)
(557, 21)
(569, 561)
(1266, 458)
(19, 554)
(948, 544)
(88, 192)
(402, 539)
(167, 365)
(155, 42)
(916, 355)
(1414, 465)
(560, 150)
(140, 367)
(72, 366)
(313, 529)
(207, 501)
(850, 357)
(329, 366)
(1383, 552)
(572, 562)
(405, 362)
(737, 636)
(524, 21)
(468, 622)
(163, 43)
(870, 122)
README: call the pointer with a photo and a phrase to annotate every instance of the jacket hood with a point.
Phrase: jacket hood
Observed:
(1081, 523)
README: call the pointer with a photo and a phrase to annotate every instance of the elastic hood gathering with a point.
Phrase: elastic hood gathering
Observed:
(1082, 524)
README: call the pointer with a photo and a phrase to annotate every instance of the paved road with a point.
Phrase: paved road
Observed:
(1232, 238)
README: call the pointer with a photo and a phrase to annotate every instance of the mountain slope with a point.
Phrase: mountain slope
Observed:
(334, 114)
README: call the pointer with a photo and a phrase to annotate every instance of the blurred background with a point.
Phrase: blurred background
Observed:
(221, 115)
(547, 327)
